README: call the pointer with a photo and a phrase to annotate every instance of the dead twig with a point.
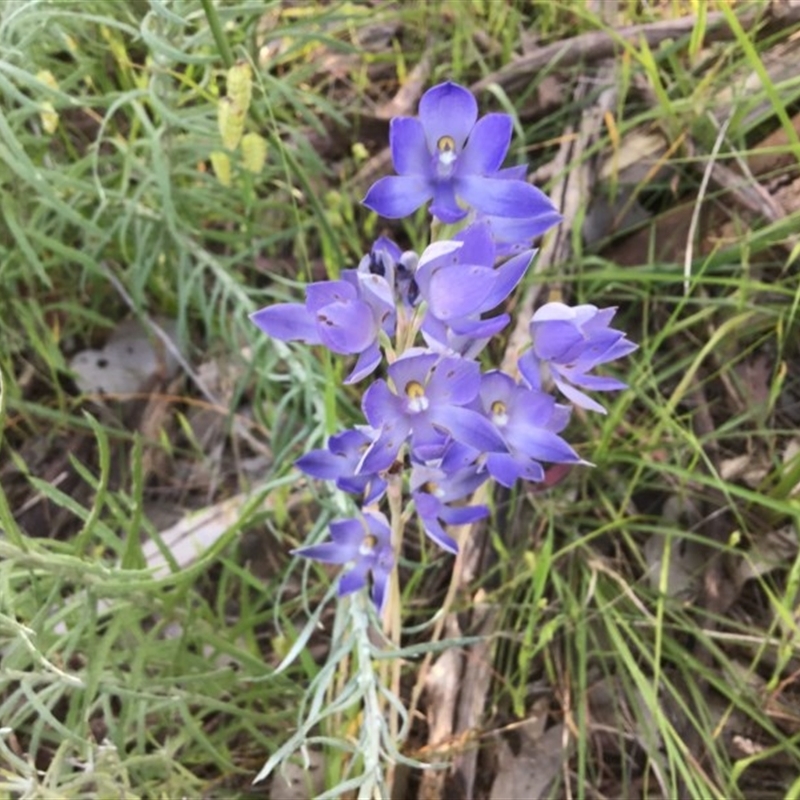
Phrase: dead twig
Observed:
(598, 45)
(569, 195)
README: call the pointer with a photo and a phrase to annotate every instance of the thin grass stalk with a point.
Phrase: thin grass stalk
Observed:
(217, 32)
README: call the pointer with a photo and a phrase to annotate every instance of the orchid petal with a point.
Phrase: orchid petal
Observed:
(447, 110)
(530, 367)
(520, 232)
(507, 277)
(542, 445)
(380, 579)
(327, 553)
(487, 146)
(410, 154)
(479, 328)
(500, 198)
(410, 369)
(380, 404)
(321, 464)
(470, 428)
(348, 532)
(503, 468)
(367, 363)
(463, 515)
(597, 383)
(287, 322)
(347, 327)
(428, 507)
(453, 381)
(445, 206)
(579, 398)
(479, 247)
(559, 339)
(380, 455)
(396, 196)
(458, 291)
(324, 293)
(354, 579)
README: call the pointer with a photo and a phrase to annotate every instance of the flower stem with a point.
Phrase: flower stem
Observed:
(219, 34)
(393, 623)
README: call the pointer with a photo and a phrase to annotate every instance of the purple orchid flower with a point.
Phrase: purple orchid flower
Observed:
(460, 283)
(569, 342)
(338, 462)
(447, 154)
(346, 316)
(529, 421)
(366, 545)
(428, 403)
(433, 487)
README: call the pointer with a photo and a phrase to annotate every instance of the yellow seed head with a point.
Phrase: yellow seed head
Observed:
(239, 85)
(222, 167)
(254, 152)
(230, 119)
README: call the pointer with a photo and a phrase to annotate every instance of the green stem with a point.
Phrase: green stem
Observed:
(219, 35)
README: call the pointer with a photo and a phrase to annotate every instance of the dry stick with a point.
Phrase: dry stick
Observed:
(687, 263)
(411, 90)
(598, 45)
(569, 196)
(750, 195)
(744, 187)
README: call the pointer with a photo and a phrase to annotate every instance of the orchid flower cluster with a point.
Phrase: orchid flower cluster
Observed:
(436, 418)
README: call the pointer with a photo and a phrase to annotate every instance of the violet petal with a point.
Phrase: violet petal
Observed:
(447, 110)
(487, 146)
(287, 322)
(500, 198)
(410, 154)
(396, 196)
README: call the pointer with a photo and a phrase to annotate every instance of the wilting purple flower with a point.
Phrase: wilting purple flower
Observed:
(452, 478)
(386, 264)
(427, 404)
(345, 315)
(569, 342)
(529, 421)
(461, 282)
(363, 544)
(381, 259)
(447, 155)
(338, 462)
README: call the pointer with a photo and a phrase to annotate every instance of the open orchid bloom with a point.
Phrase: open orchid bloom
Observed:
(426, 405)
(346, 316)
(435, 486)
(569, 342)
(529, 422)
(364, 545)
(451, 157)
(339, 461)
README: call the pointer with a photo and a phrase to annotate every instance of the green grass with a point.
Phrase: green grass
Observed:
(114, 680)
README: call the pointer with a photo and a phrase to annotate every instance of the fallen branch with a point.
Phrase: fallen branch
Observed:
(597, 45)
